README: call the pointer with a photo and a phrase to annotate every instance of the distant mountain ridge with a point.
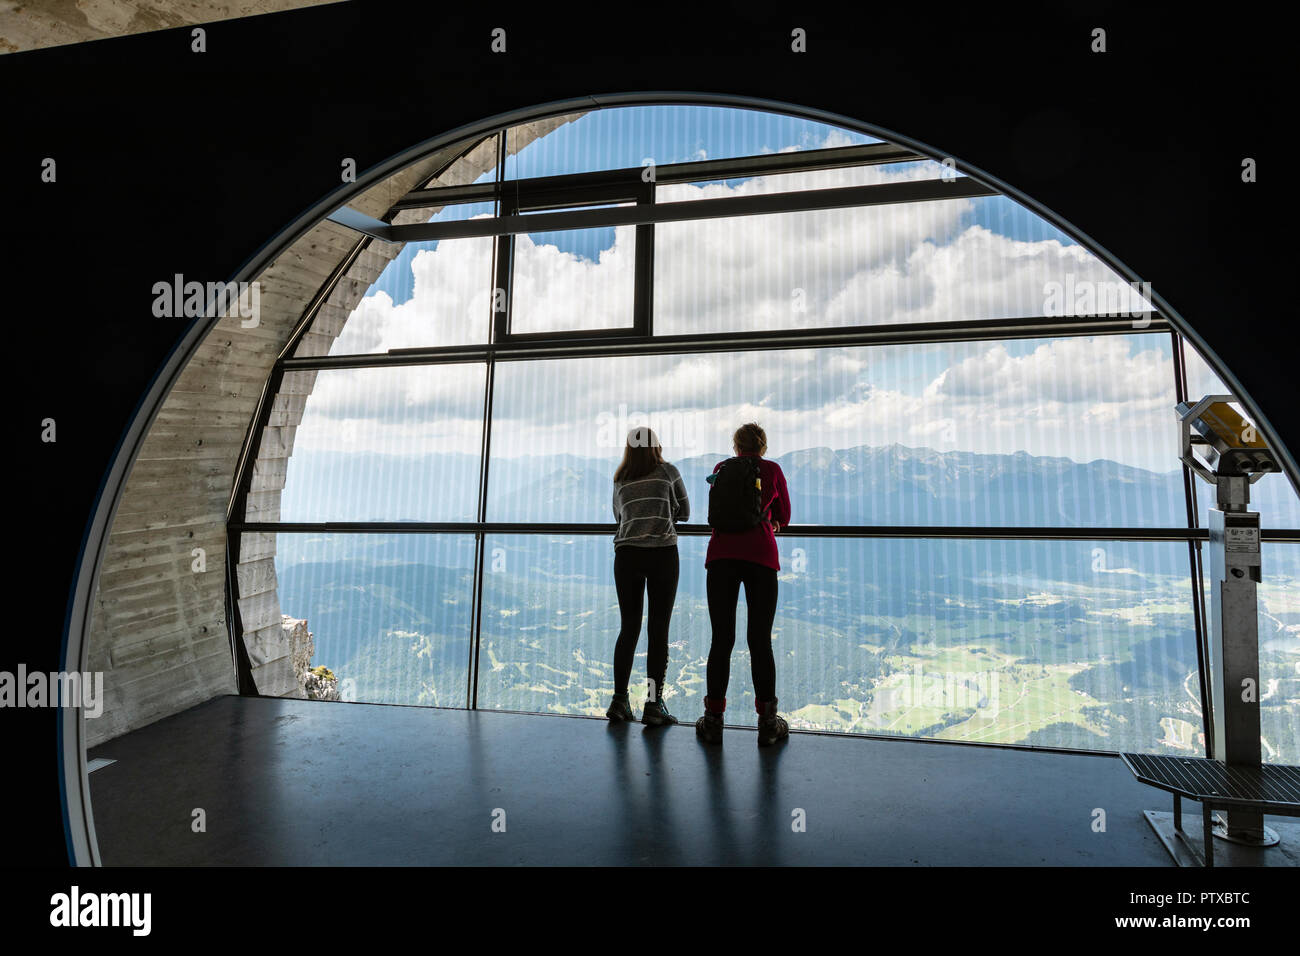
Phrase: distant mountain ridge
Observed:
(884, 484)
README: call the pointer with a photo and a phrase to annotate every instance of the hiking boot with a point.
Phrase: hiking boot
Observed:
(709, 727)
(656, 714)
(620, 709)
(771, 726)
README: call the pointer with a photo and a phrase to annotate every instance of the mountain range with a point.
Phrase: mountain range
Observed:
(867, 485)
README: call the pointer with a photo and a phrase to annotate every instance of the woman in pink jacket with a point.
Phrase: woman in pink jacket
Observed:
(747, 556)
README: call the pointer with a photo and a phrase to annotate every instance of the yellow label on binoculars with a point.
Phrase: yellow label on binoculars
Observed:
(1230, 427)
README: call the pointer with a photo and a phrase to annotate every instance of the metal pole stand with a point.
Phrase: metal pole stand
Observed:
(1239, 458)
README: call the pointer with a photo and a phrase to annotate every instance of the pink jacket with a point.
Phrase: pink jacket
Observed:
(758, 544)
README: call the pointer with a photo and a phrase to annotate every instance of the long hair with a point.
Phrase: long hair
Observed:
(641, 456)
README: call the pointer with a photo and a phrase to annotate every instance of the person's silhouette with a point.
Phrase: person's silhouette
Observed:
(649, 499)
(748, 504)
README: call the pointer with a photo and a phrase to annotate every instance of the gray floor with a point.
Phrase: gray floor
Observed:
(292, 782)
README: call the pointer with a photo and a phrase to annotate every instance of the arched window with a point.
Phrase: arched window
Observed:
(992, 540)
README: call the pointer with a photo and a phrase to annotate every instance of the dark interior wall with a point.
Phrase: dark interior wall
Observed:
(171, 161)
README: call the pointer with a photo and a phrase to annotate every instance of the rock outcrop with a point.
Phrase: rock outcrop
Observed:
(321, 684)
(314, 683)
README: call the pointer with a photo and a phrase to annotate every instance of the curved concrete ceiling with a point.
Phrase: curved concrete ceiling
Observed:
(47, 23)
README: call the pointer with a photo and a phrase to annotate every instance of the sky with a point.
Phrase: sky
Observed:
(952, 260)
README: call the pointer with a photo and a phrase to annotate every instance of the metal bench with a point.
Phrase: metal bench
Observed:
(1268, 788)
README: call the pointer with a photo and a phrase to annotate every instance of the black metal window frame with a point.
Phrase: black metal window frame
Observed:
(522, 206)
(522, 203)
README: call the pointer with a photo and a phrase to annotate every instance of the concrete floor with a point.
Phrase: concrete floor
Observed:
(294, 782)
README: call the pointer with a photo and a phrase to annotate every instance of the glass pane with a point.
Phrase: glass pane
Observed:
(434, 293)
(1272, 495)
(548, 610)
(942, 261)
(626, 137)
(808, 179)
(386, 444)
(1279, 653)
(573, 279)
(987, 433)
(390, 615)
(1062, 644)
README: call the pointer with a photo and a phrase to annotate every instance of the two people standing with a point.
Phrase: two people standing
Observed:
(748, 504)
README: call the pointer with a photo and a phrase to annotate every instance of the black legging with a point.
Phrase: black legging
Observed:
(636, 571)
(725, 575)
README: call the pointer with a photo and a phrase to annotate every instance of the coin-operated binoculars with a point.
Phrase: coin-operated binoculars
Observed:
(1235, 457)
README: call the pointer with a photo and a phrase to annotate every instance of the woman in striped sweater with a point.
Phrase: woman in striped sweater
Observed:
(649, 500)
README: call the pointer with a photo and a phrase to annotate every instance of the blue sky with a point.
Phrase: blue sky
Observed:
(623, 138)
(920, 262)
(1081, 398)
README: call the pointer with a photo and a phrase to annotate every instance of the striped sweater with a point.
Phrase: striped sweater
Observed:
(648, 508)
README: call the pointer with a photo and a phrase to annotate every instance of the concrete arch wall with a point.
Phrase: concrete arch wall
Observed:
(158, 628)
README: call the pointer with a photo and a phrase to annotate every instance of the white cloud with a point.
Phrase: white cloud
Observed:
(557, 291)
(406, 410)
(451, 304)
(918, 262)
(1095, 369)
